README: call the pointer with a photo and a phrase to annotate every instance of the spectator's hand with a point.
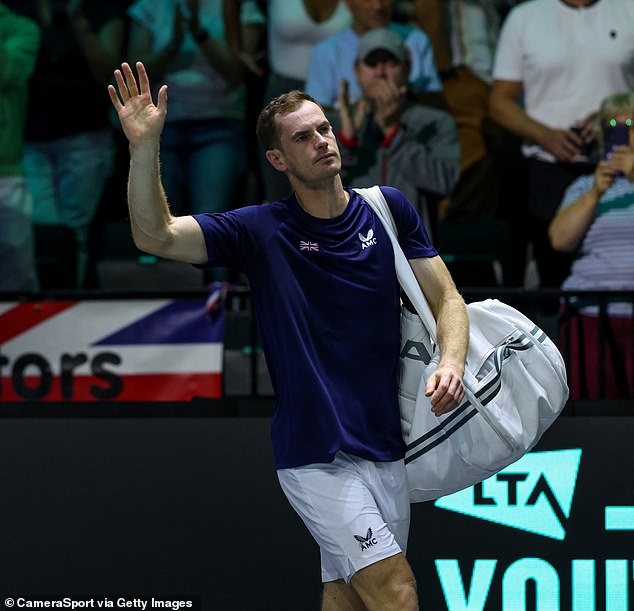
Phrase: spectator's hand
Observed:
(446, 389)
(387, 99)
(586, 128)
(564, 144)
(142, 121)
(622, 160)
(350, 117)
(604, 175)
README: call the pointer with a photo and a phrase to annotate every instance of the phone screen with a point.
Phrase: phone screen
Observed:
(615, 135)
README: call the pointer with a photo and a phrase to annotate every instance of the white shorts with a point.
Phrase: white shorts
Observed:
(357, 510)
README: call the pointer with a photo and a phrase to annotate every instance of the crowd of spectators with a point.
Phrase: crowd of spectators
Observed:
(479, 110)
(498, 112)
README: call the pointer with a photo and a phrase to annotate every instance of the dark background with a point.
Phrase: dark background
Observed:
(190, 506)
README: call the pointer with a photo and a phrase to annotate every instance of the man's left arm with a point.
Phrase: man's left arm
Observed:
(445, 385)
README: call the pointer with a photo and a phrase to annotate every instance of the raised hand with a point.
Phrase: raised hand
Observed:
(604, 175)
(388, 99)
(142, 121)
(350, 117)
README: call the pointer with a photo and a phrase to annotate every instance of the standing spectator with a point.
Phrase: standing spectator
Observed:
(596, 221)
(464, 36)
(332, 60)
(563, 57)
(388, 137)
(293, 28)
(203, 146)
(19, 41)
(69, 150)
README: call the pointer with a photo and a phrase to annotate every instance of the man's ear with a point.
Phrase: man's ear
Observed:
(275, 158)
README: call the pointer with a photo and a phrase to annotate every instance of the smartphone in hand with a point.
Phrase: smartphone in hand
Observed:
(615, 135)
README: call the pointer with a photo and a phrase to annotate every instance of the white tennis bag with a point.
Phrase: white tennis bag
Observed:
(515, 380)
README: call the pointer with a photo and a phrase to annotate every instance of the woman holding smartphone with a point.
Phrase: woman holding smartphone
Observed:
(596, 222)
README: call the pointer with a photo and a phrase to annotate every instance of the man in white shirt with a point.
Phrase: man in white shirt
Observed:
(562, 57)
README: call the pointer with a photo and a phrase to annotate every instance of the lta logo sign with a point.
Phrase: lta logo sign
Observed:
(534, 494)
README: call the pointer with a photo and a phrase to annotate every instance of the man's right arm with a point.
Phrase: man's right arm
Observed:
(445, 385)
(504, 108)
(154, 228)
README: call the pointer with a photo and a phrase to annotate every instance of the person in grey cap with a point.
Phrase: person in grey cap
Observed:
(388, 137)
(332, 59)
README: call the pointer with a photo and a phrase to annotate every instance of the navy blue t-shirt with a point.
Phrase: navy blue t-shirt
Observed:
(326, 299)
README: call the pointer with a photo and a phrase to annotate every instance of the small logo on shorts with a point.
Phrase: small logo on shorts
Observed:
(367, 541)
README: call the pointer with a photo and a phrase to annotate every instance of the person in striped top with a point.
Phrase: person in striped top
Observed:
(596, 222)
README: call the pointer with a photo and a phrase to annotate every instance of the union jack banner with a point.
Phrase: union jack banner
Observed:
(117, 350)
(308, 245)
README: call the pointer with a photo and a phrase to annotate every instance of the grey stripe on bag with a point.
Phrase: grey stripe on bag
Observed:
(485, 395)
(446, 434)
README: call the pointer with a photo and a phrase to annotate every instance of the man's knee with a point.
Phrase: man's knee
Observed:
(401, 588)
(340, 596)
(387, 584)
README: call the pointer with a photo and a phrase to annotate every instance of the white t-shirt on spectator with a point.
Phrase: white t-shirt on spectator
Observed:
(568, 59)
(292, 34)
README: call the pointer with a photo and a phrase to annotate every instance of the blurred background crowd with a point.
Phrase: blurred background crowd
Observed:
(507, 123)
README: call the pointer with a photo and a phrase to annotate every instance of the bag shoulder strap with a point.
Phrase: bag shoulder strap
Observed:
(376, 199)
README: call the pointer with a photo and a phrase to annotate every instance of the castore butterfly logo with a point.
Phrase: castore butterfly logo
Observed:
(367, 541)
(367, 240)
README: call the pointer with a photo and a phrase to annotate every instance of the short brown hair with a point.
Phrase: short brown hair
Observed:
(266, 127)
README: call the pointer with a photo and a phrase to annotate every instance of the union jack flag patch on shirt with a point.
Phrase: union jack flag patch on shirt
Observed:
(309, 246)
